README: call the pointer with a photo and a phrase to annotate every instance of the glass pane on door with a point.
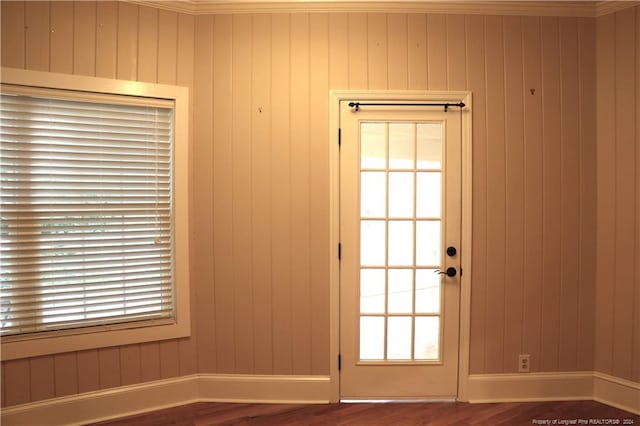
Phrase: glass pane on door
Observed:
(400, 241)
(371, 338)
(372, 291)
(400, 291)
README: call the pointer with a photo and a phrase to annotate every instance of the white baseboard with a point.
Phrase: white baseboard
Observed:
(616, 392)
(265, 389)
(135, 399)
(587, 385)
(530, 387)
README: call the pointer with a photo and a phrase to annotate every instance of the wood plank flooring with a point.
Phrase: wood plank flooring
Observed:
(439, 413)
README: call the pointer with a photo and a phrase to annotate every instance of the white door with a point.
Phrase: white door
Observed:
(400, 208)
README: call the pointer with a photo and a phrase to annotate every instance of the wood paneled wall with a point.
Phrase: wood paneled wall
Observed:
(260, 219)
(618, 171)
(111, 40)
(534, 204)
(534, 176)
(261, 201)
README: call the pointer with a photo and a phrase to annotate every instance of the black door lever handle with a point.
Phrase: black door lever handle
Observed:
(450, 272)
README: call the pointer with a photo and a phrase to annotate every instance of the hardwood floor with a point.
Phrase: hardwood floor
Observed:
(440, 413)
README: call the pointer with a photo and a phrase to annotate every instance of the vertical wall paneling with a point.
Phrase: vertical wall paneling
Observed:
(456, 53)
(338, 51)
(625, 117)
(165, 32)
(476, 84)
(437, 52)
(61, 37)
(84, 38)
(377, 51)
(109, 367)
(169, 359)
(150, 368)
(587, 137)
(13, 30)
(66, 374)
(551, 190)
(532, 294)
(514, 174)
(17, 382)
(281, 195)
(417, 51)
(222, 194)
(147, 44)
(570, 195)
(397, 46)
(261, 143)
(617, 295)
(131, 364)
(319, 192)
(184, 77)
(128, 362)
(37, 35)
(635, 371)
(127, 47)
(300, 195)
(242, 193)
(42, 379)
(112, 36)
(107, 39)
(206, 304)
(358, 49)
(606, 149)
(88, 371)
(496, 203)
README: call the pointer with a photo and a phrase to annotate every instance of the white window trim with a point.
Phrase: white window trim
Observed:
(100, 337)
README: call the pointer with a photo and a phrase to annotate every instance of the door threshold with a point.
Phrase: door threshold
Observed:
(396, 400)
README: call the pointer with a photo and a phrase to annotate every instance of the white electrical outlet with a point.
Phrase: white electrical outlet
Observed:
(524, 363)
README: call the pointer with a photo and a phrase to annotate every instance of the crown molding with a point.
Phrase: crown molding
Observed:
(603, 8)
(474, 7)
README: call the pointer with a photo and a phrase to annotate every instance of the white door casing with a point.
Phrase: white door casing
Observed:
(407, 372)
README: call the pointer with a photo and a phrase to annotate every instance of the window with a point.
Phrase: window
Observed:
(92, 206)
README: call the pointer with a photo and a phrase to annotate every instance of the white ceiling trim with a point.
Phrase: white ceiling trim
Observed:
(474, 7)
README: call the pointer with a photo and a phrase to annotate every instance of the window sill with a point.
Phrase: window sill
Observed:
(97, 337)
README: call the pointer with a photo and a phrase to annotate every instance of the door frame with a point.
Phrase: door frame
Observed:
(401, 96)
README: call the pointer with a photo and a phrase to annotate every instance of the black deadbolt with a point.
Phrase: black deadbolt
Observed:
(451, 251)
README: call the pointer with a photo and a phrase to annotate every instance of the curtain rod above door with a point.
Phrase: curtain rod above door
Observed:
(446, 105)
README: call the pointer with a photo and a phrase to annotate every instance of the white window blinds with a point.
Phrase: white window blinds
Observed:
(86, 211)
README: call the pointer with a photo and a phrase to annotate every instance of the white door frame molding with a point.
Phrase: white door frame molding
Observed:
(335, 97)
